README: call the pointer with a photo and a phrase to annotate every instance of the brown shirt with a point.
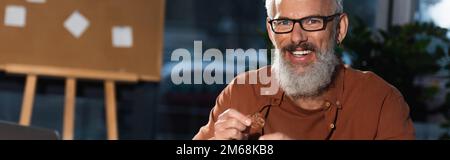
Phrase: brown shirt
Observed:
(358, 105)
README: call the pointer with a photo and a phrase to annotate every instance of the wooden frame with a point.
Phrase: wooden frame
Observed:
(71, 75)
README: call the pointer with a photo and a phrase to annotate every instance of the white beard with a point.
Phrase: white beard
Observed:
(315, 78)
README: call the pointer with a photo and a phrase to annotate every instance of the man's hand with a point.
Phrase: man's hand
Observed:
(275, 136)
(230, 126)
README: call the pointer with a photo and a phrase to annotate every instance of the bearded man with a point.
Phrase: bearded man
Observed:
(319, 98)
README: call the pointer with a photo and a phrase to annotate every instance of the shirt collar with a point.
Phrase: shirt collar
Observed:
(335, 91)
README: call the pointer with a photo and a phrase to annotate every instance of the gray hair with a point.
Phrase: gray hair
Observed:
(270, 7)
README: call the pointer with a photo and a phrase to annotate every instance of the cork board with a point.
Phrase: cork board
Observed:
(45, 41)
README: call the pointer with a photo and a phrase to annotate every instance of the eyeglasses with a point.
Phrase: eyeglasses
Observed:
(310, 24)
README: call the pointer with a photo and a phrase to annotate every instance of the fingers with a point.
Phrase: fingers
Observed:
(275, 136)
(229, 134)
(230, 126)
(233, 114)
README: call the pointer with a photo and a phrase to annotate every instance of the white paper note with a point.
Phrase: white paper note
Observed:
(15, 16)
(122, 36)
(37, 1)
(77, 24)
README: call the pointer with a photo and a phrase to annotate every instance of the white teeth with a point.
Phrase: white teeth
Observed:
(301, 53)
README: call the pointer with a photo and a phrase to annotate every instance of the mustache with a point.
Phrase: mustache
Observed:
(306, 45)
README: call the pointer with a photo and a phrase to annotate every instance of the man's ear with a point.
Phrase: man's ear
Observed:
(342, 28)
(269, 31)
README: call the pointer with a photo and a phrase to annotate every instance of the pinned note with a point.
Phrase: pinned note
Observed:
(77, 24)
(15, 16)
(122, 36)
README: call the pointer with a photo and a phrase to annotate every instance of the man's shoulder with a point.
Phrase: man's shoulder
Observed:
(254, 78)
(368, 81)
(251, 83)
(243, 94)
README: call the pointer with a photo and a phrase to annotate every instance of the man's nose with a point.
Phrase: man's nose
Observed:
(298, 35)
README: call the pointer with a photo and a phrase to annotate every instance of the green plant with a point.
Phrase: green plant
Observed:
(400, 55)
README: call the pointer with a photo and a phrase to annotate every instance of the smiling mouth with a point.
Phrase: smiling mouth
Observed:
(301, 53)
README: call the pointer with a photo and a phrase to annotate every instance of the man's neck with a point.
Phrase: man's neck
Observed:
(309, 103)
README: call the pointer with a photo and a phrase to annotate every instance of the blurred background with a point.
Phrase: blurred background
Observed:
(405, 42)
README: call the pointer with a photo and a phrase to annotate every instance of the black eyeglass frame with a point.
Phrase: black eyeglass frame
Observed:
(325, 19)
